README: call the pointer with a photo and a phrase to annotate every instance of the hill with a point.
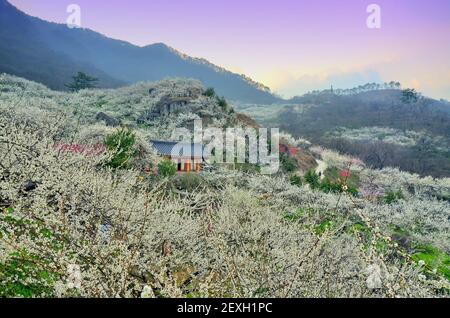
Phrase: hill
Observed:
(72, 225)
(376, 125)
(28, 43)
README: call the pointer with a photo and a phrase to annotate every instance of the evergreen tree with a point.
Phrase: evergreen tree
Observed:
(81, 81)
(410, 96)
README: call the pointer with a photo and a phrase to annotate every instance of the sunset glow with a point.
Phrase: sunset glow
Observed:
(290, 45)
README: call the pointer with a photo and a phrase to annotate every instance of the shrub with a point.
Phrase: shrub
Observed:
(288, 164)
(222, 102)
(313, 179)
(352, 190)
(327, 186)
(121, 145)
(167, 168)
(393, 196)
(296, 180)
(210, 92)
(188, 181)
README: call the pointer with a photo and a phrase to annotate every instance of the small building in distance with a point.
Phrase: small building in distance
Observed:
(187, 156)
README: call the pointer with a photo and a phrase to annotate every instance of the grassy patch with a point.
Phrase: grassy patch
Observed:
(434, 259)
(294, 216)
(324, 226)
(23, 275)
(359, 228)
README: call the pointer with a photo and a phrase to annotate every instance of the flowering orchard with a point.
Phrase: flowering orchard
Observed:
(72, 226)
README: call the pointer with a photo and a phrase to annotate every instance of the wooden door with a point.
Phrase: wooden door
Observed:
(187, 166)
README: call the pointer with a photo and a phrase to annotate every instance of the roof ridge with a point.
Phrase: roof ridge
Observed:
(175, 142)
(168, 148)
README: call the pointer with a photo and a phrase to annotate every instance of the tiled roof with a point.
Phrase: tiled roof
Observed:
(178, 149)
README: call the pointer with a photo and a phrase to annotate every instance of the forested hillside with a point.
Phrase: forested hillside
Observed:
(51, 53)
(374, 124)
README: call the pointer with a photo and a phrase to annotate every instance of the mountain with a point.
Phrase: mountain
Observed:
(51, 53)
(24, 53)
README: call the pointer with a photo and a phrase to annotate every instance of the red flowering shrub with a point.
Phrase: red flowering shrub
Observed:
(88, 150)
(283, 149)
(345, 174)
(293, 151)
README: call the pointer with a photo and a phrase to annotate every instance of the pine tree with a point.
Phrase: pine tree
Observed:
(81, 81)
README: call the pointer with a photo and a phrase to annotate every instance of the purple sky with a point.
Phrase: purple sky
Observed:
(290, 45)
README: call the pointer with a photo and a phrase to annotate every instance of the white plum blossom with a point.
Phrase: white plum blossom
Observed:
(373, 280)
(147, 292)
(92, 231)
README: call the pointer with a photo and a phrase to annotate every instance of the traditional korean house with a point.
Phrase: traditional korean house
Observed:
(187, 156)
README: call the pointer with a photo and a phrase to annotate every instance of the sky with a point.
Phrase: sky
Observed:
(292, 46)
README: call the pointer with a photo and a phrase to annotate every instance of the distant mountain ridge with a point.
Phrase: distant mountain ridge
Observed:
(51, 53)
